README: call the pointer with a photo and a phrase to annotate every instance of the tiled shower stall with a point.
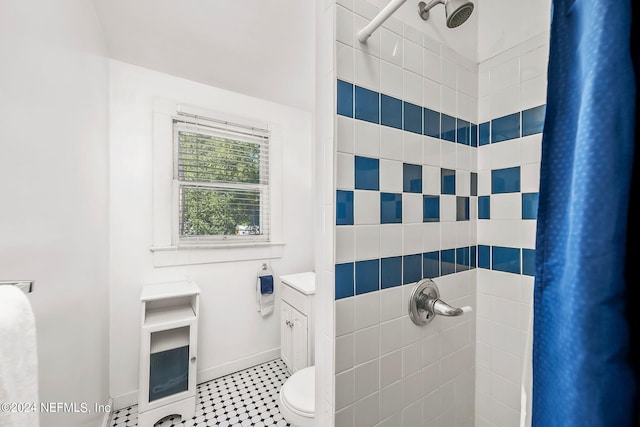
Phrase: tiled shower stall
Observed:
(435, 164)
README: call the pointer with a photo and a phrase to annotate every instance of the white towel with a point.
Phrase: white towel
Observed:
(18, 360)
(265, 301)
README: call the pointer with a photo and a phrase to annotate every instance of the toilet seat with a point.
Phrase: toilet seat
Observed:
(297, 398)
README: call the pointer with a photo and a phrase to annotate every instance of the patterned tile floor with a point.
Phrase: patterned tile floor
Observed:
(245, 398)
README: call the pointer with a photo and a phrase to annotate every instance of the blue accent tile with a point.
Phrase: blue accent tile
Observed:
(344, 207)
(412, 268)
(505, 180)
(484, 207)
(367, 276)
(472, 256)
(484, 133)
(506, 259)
(448, 262)
(390, 111)
(367, 105)
(529, 205)
(411, 178)
(474, 184)
(504, 128)
(529, 262)
(474, 135)
(431, 123)
(484, 257)
(448, 181)
(462, 259)
(462, 208)
(391, 272)
(463, 132)
(344, 280)
(345, 99)
(448, 128)
(367, 173)
(430, 265)
(430, 208)
(533, 120)
(390, 208)
(412, 118)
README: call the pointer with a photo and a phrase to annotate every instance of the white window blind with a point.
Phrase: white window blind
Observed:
(222, 176)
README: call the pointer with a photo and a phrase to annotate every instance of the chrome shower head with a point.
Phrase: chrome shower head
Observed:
(456, 11)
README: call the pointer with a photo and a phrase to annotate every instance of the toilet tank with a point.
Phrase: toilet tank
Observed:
(297, 323)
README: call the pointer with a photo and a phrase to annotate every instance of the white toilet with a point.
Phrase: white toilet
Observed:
(297, 396)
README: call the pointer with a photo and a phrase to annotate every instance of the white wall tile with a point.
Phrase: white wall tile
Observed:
(448, 230)
(505, 232)
(412, 210)
(344, 26)
(530, 178)
(532, 149)
(391, 306)
(533, 92)
(367, 377)
(394, 25)
(484, 84)
(463, 182)
(431, 151)
(390, 240)
(528, 234)
(507, 339)
(412, 388)
(412, 414)
(412, 147)
(449, 71)
(367, 344)
(431, 44)
(484, 183)
(448, 155)
(344, 417)
(367, 138)
(430, 407)
(412, 87)
(506, 365)
(413, 34)
(391, 79)
(344, 62)
(505, 154)
(534, 63)
(467, 82)
(391, 47)
(345, 315)
(430, 180)
(372, 45)
(345, 389)
(430, 236)
(412, 238)
(365, 9)
(367, 70)
(345, 134)
(345, 243)
(413, 57)
(506, 391)
(447, 208)
(506, 206)
(448, 101)
(484, 109)
(412, 358)
(366, 208)
(391, 400)
(410, 331)
(344, 353)
(431, 94)
(344, 171)
(432, 66)
(366, 411)
(504, 102)
(467, 107)
(463, 236)
(390, 336)
(393, 421)
(367, 307)
(505, 74)
(390, 368)
(390, 176)
(367, 240)
(391, 146)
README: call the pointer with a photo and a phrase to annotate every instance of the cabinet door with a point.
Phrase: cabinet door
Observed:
(285, 334)
(299, 351)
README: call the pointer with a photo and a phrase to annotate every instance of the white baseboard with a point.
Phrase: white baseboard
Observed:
(204, 375)
(107, 415)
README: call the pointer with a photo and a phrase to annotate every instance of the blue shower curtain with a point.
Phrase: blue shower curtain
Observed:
(583, 367)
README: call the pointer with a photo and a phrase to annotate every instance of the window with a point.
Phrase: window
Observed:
(221, 176)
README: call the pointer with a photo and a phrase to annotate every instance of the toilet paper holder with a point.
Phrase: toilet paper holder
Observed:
(425, 304)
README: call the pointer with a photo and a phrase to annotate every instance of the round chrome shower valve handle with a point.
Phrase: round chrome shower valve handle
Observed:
(425, 303)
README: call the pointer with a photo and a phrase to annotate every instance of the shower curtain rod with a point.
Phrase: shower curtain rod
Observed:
(384, 14)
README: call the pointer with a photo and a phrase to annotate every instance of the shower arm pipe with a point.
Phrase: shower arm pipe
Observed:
(384, 14)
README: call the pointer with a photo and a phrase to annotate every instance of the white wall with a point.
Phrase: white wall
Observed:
(231, 330)
(505, 24)
(54, 222)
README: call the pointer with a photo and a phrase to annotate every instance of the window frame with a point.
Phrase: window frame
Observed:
(165, 246)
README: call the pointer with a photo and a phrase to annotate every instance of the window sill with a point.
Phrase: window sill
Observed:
(167, 256)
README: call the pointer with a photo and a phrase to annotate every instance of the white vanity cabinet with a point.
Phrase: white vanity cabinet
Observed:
(297, 320)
